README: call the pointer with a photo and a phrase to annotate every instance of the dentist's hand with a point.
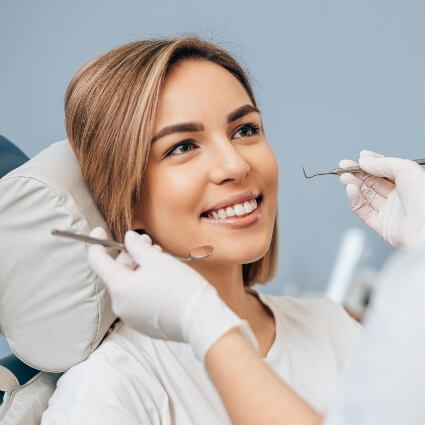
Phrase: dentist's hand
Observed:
(158, 295)
(389, 196)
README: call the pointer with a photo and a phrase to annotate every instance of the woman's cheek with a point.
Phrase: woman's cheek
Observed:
(272, 166)
(267, 166)
(173, 204)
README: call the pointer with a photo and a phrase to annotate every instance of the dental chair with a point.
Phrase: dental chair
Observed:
(10, 158)
(54, 311)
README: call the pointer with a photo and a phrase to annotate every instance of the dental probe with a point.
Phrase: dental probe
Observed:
(355, 169)
(198, 253)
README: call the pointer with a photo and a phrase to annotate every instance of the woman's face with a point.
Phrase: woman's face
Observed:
(209, 166)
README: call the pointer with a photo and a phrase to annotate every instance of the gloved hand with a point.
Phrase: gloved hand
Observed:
(160, 296)
(389, 196)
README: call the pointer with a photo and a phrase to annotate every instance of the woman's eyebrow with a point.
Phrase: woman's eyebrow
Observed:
(178, 128)
(240, 112)
(195, 126)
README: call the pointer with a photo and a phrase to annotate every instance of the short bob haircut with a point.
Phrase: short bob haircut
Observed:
(110, 109)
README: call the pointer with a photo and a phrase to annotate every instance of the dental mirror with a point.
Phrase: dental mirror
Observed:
(198, 253)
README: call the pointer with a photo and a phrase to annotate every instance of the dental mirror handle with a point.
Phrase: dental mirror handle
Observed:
(89, 239)
(198, 253)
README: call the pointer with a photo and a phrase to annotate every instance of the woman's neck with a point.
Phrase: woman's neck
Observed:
(227, 279)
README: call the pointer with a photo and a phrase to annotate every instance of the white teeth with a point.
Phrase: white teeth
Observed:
(230, 212)
(239, 209)
(248, 207)
(222, 213)
(236, 210)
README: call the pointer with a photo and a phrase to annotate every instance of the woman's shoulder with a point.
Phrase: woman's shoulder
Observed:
(316, 308)
(318, 328)
(121, 353)
(318, 314)
(116, 374)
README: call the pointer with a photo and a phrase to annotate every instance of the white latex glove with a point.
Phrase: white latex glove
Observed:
(160, 296)
(394, 209)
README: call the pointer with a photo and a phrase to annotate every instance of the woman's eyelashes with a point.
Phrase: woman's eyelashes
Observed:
(246, 130)
(181, 148)
(253, 130)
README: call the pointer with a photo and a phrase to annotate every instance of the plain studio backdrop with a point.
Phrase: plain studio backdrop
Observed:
(332, 78)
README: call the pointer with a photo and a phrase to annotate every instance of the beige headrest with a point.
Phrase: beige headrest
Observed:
(53, 310)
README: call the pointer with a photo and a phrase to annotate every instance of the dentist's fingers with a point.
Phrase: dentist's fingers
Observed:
(379, 185)
(362, 207)
(98, 232)
(140, 247)
(346, 163)
(110, 271)
(102, 263)
(126, 259)
(385, 167)
(369, 192)
(366, 194)
(123, 258)
(367, 182)
(365, 154)
(405, 173)
(145, 238)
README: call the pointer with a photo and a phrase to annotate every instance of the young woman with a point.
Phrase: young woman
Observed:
(171, 143)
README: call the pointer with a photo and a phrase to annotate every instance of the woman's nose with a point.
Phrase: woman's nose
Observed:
(228, 164)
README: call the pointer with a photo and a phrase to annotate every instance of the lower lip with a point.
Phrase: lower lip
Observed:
(237, 222)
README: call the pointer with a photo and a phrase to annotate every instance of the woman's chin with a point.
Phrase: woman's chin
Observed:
(241, 255)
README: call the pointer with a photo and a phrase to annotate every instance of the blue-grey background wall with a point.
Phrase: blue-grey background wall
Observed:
(332, 77)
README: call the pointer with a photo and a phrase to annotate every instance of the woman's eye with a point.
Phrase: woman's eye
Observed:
(248, 130)
(181, 148)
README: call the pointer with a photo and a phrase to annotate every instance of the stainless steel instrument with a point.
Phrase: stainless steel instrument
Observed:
(198, 253)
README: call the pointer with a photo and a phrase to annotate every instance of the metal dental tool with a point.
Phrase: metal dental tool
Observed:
(355, 169)
(198, 253)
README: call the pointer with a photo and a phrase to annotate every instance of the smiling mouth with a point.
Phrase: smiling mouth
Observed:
(234, 211)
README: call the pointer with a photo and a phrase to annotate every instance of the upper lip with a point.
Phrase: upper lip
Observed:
(234, 199)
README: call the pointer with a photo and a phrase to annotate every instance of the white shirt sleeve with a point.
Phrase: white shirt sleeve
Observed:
(109, 388)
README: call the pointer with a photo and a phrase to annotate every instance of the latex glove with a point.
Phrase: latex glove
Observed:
(394, 209)
(160, 296)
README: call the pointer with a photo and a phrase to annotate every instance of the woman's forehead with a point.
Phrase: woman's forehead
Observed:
(194, 89)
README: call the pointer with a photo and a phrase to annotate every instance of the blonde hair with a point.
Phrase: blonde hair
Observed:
(110, 108)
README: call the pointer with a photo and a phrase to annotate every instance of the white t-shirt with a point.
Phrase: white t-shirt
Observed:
(134, 379)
